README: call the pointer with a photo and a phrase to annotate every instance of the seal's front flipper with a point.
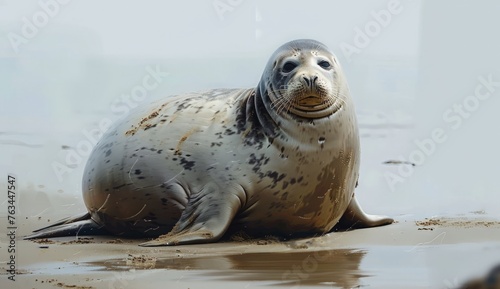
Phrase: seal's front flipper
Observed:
(354, 217)
(75, 227)
(206, 218)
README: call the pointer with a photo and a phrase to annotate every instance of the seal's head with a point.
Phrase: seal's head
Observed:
(303, 79)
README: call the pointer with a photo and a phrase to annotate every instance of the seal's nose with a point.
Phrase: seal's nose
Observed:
(309, 81)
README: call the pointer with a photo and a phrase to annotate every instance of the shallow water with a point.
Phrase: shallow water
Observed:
(337, 267)
(426, 266)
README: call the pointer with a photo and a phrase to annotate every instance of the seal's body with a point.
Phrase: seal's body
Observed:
(281, 159)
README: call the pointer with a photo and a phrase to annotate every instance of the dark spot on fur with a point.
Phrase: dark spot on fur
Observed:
(150, 217)
(198, 109)
(108, 152)
(185, 104)
(188, 165)
(120, 186)
(137, 172)
(257, 161)
(275, 176)
(148, 126)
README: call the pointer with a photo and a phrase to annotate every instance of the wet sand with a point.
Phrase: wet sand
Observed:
(427, 253)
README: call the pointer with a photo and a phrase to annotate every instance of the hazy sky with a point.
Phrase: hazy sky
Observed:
(214, 27)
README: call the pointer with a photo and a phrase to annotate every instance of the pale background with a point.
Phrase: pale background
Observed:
(65, 79)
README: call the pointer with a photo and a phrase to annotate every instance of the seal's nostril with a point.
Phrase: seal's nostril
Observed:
(306, 79)
(310, 81)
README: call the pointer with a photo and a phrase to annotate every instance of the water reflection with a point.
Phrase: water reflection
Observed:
(338, 268)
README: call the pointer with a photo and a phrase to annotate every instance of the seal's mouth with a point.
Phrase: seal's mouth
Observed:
(317, 103)
(310, 101)
(312, 104)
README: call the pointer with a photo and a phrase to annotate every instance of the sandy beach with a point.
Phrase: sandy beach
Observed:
(429, 253)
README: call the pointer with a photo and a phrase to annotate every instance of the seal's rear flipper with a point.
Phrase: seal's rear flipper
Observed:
(81, 217)
(354, 217)
(205, 219)
(72, 226)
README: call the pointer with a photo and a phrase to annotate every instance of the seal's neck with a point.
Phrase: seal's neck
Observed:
(258, 115)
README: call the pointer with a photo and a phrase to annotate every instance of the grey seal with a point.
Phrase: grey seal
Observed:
(282, 158)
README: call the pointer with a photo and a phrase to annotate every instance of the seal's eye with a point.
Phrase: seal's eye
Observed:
(325, 64)
(289, 66)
